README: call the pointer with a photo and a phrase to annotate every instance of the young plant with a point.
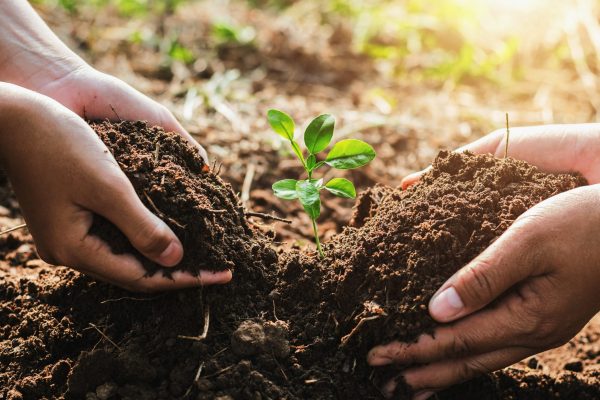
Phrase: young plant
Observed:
(345, 154)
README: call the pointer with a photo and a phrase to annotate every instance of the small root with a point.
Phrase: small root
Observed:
(105, 336)
(156, 152)
(130, 298)
(196, 379)
(266, 216)
(160, 213)
(212, 211)
(115, 111)
(204, 329)
(247, 185)
(354, 330)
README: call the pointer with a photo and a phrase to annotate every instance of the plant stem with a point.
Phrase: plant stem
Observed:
(314, 224)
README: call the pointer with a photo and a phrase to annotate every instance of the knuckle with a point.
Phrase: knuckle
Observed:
(466, 371)
(459, 347)
(150, 238)
(476, 282)
(112, 186)
(471, 369)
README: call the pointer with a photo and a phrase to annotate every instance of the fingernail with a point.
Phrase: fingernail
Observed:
(446, 305)
(170, 256)
(424, 395)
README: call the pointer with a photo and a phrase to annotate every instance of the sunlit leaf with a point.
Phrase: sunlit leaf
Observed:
(281, 123)
(319, 132)
(285, 189)
(308, 193)
(350, 153)
(341, 187)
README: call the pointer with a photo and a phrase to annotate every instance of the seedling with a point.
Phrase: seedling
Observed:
(345, 154)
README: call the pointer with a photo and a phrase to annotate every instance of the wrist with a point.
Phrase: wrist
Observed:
(31, 55)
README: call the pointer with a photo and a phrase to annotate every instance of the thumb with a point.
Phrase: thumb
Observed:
(509, 260)
(146, 232)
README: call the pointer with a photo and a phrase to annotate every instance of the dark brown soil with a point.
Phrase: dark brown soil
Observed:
(173, 181)
(409, 243)
(279, 330)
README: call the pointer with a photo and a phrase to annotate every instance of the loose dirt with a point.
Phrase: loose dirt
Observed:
(174, 182)
(289, 325)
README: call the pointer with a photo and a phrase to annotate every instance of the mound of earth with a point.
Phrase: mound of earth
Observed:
(380, 274)
(289, 324)
(174, 182)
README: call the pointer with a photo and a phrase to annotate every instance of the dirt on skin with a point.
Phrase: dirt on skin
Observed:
(279, 329)
(174, 182)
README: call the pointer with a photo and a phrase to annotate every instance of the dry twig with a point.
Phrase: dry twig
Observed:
(105, 336)
(346, 338)
(14, 228)
(248, 183)
(266, 216)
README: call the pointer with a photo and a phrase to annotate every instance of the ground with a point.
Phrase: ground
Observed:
(221, 91)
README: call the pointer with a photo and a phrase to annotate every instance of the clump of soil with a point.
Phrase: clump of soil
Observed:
(174, 182)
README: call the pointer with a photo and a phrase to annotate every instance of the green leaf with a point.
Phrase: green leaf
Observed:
(311, 161)
(308, 193)
(350, 153)
(285, 189)
(281, 123)
(341, 187)
(319, 132)
(298, 152)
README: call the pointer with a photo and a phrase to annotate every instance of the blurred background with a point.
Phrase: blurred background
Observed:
(409, 76)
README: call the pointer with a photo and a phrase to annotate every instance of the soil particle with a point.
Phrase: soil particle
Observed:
(174, 182)
(252, 338)
(574, 365)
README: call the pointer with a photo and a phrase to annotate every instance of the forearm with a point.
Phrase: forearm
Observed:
(31, 55)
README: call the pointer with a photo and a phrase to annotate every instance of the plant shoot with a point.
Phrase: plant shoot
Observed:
(345, 154)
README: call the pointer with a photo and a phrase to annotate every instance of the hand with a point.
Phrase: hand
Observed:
(94, 95)
(533, 289)
(62, 174)
(552, 148)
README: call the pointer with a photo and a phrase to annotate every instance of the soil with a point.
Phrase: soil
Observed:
(173, 181)
(287, 326)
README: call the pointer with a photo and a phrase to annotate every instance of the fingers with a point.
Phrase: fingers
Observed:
(116, 200)
(436, 376)
(509, 260)
(482, 332)
(413, 178)
(96, 259)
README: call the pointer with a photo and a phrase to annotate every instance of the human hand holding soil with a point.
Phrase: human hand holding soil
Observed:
(45, 142)
(531, 290)
(62, 174)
